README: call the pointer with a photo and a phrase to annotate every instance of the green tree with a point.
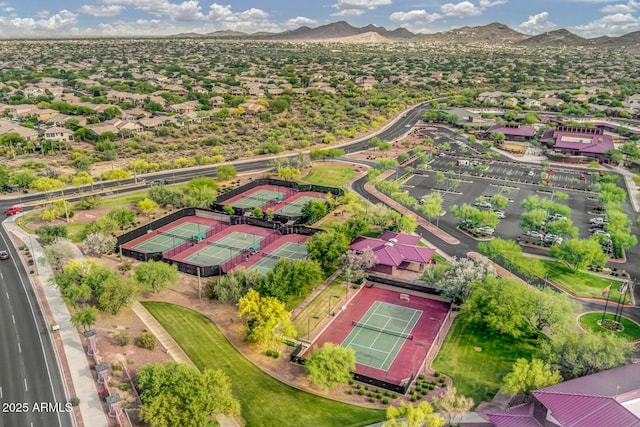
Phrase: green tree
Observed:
(82, 178)
(330, 365)
(226, 172)
(314, 210)
(289, 174)
(85, 317)
(326, 247)
(116, 293)
(290, 277)
(533, 220)
(452, 405)
(268, 318)
(174, 394)
(578, 354)
(147, 206)
(47, 185)
(22, 178)
(457, 280)
(498, 304)
(155, 276)
(421, 415)
(233, 285)
(528, 375)
(117, 174)
(202, 191)
(99, 244)
(499, 201)
(579, 254)
(122, 216)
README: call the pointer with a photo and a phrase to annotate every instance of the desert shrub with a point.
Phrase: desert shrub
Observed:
(147, 341)
(121, 338)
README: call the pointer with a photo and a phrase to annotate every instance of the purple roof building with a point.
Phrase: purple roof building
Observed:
(395, 251)
(590, 142)
(514, 132)
(609, 398)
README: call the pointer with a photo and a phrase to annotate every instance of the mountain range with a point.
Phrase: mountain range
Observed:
(495, 33)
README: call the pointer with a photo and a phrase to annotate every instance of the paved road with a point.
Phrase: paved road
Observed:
(29, 372)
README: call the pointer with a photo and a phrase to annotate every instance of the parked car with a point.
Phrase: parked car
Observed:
(531, 173)
(599, 220)
(500, 214)
(4, 255)
(552, 238)
(485, 230)
(482, 204)
(14, 210)
(599, 231)
(556, 217)
(534, 234)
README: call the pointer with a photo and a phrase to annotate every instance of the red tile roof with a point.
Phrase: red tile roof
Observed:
(393, 253)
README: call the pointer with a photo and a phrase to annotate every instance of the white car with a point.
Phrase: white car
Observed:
(534, 234)
(482, 204)
(598, 220)
(485, 230)
(604, 233)
(556, 217)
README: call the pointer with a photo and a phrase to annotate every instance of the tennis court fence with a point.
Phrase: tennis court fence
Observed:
(233, 262)
(404, 335)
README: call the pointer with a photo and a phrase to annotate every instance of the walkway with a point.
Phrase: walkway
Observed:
(84, 384)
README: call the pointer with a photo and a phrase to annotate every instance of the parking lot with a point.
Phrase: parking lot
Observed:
(469, 189)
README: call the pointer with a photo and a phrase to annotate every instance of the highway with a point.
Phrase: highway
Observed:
(29, 373)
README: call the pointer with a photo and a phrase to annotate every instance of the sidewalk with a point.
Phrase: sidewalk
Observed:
(632, 188)
(84, 384)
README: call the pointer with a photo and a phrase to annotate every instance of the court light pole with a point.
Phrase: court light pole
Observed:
(309, 326)
(426, 349)
(332, 296)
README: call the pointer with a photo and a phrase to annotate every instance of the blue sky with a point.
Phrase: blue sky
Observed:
(46, 18)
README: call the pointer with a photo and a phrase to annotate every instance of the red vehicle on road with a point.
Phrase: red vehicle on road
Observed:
(14, 210)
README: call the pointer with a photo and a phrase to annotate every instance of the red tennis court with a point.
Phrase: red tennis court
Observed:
(401, 356)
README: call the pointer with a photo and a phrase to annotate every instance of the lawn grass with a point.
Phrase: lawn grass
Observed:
(123, 199)
(319, 307)
(75, 231)
(581, 283)
(331, 175)
(478, 374)
(264, 400)
(631, 331)
(24, 220)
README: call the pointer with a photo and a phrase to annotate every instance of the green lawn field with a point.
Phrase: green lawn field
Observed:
(265, 401)
(581, 283)
(631, 331)
(477, 360)
(331, 175)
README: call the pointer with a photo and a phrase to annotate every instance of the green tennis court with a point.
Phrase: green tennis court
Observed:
(168, 239)
(257, 199)
(295, 208)
(222, 250)
(289, 250)
(379, 335)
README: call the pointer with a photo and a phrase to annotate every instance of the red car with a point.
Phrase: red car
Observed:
(14, 210)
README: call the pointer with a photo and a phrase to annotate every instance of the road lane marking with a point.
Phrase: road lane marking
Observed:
(1, 392)
(14, 319)
(26, 388)
(19, 348)
(7, 294)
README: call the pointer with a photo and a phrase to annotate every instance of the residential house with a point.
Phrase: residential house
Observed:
(252, 108)
(216, 101)
(7, 126)
(395, 251)
(100, 129)
(184, 107)
(58, 134)
(607, 398)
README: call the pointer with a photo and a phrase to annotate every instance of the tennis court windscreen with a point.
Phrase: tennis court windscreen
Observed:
(384, 331)
(164, 233)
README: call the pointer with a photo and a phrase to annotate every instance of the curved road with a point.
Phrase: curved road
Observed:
(29, 373)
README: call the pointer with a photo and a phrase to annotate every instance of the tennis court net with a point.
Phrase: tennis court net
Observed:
(234, 248)
(185, 238)
(384, 331)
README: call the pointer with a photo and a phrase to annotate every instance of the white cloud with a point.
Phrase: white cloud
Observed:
(611, 25)
(101, 11)
(186, 11)
(249, 21)
(630, 7)
(357, 7)
(63, 21)
(414, 17)
(488, 3)
(299, 21)
(146, 27)
(43, 14)
(537, 24)
(461, 10)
